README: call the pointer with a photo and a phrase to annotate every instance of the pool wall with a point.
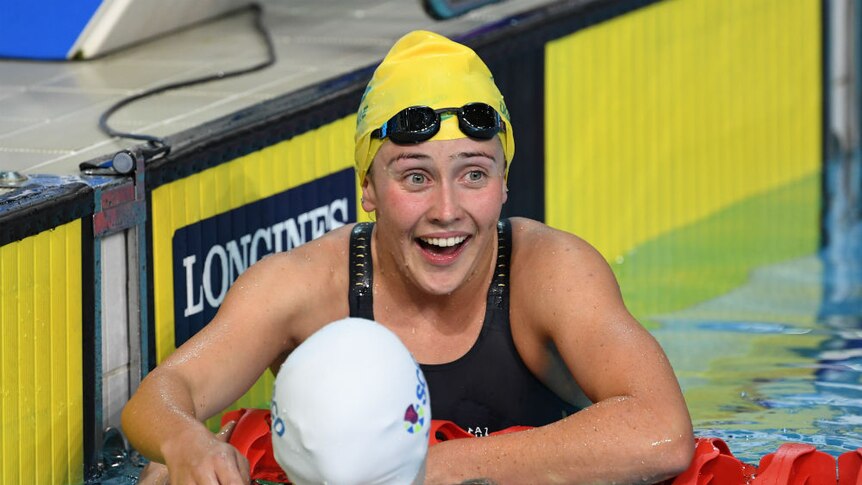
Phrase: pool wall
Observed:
(664, 132)
(688, 134)
(44, 315)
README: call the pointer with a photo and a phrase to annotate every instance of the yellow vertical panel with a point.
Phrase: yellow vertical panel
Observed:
(563, 150)
(160, 215)
(335, 148)
(615, 117)
(219, 195)
(261, 172)
(338, 150)
(4, 322)
(263, 175)
(27, 351)
(588, 127)
(326, 149)
(286, 154)
(58, 357)
(40, 370)
(75, 366)
(245, 169)
(217, 201)
(250, 168)
(304, 151)
(685, 107)
(11, 430)
(280, 166)
(266, 170)
(302, 171)
(41, 362)
(322, 146)
(231, 174)
(638, 37)
(167, 201)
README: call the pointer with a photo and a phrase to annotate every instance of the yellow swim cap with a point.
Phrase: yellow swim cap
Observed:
(426, 69)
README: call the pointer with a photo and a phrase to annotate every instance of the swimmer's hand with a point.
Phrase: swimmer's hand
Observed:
(209, 459)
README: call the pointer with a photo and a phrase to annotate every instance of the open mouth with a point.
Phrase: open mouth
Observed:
(442, 246)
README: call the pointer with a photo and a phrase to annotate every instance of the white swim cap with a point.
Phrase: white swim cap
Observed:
(351, 406)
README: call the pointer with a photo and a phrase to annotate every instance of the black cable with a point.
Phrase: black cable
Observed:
(157, 145)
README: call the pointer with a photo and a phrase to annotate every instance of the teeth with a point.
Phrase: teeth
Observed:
(444, 242)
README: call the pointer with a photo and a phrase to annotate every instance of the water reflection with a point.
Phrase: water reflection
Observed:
(778, 359)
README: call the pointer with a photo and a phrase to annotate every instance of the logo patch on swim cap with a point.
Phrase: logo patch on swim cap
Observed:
(414, 416)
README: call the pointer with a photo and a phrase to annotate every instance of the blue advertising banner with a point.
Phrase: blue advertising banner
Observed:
(209, 255)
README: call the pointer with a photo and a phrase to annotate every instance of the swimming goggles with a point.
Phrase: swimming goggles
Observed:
(420, 123)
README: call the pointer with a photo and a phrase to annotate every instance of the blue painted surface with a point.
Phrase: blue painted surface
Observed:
(43, 30)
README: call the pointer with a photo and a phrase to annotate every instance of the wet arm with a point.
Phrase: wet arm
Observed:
(638, 430)
(622, 439)
(164, 418)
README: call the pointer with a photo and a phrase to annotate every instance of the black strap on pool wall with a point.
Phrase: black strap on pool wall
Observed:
(89, 341)
(148, 357)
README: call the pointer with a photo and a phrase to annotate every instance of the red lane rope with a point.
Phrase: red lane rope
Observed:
(713, 462)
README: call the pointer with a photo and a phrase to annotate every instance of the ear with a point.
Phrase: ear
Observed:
(505, 191)
(369, 195)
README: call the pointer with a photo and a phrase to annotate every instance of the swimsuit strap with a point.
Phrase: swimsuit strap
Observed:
(361, 297)
(498, 293)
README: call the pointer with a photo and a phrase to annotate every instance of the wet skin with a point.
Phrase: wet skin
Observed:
(437, 205)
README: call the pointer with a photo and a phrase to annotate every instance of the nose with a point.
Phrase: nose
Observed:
(446, 206)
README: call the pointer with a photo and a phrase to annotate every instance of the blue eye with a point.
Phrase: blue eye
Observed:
(416, 178)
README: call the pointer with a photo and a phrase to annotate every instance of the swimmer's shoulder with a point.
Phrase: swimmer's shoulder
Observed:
(543, 256)
(305, 286)
(534, 241)
(559, 282)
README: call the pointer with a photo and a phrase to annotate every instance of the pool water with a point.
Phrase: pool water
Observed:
(776, 360)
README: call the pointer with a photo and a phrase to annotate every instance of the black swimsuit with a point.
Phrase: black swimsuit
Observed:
(489, 388)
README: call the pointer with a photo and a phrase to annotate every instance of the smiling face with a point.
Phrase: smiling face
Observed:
(437, 206)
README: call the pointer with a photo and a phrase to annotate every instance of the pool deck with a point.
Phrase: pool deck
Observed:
(49, 111)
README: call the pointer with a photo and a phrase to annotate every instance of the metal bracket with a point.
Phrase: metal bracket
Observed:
(123, 206)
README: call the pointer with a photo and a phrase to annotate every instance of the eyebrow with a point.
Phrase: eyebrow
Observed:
(454, 156)
(408, 156)
(462, 155)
